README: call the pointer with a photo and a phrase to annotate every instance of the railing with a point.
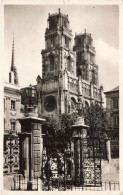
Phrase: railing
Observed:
(11, 154)
(103, 149)
(22, 183)
(114, 148)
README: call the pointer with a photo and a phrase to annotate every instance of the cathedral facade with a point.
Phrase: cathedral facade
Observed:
(69, 72)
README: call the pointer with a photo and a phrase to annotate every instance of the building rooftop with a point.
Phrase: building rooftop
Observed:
(33, 86)
(11, 86)
(113, 90)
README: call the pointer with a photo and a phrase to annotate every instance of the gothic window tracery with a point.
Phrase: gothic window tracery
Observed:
(79, 56)
(69, 63)
(93, 76)
(52, 40)
(51, 63)
(56, 62)
(79, 41)
(65, 23)
(73, 104)
(66, 41)
(52, 23)
(86, 104)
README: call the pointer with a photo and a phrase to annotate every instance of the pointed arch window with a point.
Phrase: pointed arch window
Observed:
(69, 63)
(79, 41)
(73, 104)
(67, 42)
(51, 63)
(86, 104)
(65, 23)
(93, 77)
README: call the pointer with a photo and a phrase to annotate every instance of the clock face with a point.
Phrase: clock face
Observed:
(49, 103)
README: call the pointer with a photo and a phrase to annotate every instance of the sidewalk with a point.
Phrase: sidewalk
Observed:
(114, 176)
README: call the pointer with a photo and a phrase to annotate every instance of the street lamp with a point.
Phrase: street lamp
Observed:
(31, 93)
(31, 100)
(80, 108)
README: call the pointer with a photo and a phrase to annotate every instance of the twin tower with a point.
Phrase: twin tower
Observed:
(69, 73)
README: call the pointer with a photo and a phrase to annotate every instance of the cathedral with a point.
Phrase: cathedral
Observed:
(69, 83)
(69, 72)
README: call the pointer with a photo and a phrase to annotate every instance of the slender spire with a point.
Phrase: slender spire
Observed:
(13, 76)
(12, 62)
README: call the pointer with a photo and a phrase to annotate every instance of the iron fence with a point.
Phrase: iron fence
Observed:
(11, 154)
(21, 183)
(58, 153)
(114, 148)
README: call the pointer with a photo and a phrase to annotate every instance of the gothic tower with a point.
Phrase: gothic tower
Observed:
(87, 69)
(58, 61)
(69, 74)
(85, 58)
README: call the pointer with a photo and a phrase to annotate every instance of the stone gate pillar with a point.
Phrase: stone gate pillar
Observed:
(31, 145)
(79, 132)
(108, 148)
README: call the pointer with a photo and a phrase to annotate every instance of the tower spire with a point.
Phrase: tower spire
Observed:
(12, 62)
(13, 77)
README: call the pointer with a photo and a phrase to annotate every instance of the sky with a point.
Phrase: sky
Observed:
(28, 23)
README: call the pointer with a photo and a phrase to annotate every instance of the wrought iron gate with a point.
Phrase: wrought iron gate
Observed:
(56, 161)
(56, 156)
(76, 164)
(87, 160)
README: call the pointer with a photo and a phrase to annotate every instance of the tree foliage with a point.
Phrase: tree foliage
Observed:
(59, 125)
(95, 118)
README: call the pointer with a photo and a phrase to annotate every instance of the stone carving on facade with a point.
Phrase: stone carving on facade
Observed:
(69, 64)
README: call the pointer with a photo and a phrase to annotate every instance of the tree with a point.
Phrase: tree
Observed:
(95, 118)
(59, 125)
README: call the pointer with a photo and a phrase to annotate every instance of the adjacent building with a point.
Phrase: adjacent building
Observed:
(12, 106)
(112, 112)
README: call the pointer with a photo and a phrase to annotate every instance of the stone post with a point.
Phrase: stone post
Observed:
(26, 156)
(31, 136)
(79, 132)
(108, 147)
